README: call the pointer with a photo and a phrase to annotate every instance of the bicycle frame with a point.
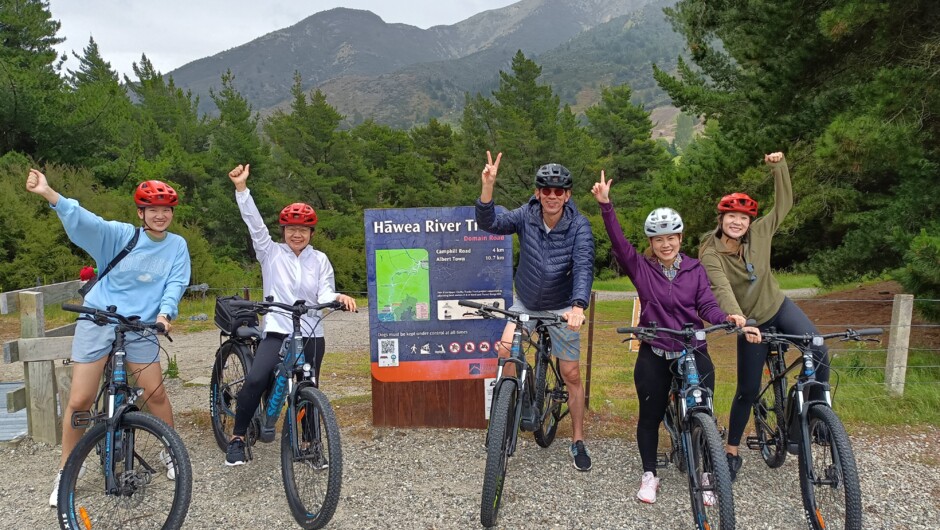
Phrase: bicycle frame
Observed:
(119, 398)
(795, 414)
(298, 375)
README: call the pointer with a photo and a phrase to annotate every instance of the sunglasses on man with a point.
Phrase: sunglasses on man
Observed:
(557, 192)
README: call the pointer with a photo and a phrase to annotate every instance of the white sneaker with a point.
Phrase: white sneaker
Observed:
(648, 486)
(54, 498)
(708, 497)
(168, 462)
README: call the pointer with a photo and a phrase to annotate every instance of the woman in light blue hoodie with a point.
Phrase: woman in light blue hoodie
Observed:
(148, 282)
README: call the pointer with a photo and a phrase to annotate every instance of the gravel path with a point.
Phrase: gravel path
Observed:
(430, 478)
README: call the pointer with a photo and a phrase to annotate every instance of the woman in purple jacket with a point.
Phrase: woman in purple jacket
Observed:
(673, 291)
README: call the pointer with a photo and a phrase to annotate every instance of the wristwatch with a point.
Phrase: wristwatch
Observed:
(166, 316)
(579, 303)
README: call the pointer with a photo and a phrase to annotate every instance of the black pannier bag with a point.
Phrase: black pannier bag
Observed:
(228, 319)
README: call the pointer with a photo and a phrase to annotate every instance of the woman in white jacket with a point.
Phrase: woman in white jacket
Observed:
(290, 271)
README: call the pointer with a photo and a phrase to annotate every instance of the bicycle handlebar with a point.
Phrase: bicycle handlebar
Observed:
(848, 334)
(103, 316)
(299, 307)
(649, 332)
(549, 318)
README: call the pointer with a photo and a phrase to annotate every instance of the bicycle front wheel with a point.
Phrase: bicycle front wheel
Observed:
(549, 392)
(832, 497)
(499, 437)
(232, 364)
(312, 459)
(143, 496)
(769, 424)
(709, 477)
(671, 423)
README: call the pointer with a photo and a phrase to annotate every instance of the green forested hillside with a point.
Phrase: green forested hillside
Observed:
(853, 106)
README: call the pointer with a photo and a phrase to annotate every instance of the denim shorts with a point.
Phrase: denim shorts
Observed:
(92, 342)
(566, 344)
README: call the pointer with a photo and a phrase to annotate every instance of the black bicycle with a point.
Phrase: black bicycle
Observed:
(311, 452)
(239, 338)
(519, 402)
(114, 476)
(797, 423)
(696, 446)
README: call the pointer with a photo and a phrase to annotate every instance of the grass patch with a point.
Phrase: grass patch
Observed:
(356, 364)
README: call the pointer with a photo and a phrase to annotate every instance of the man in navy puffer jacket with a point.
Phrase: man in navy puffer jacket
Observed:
(555, 272)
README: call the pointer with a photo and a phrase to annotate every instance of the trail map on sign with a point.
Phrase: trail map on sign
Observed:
(403, 286)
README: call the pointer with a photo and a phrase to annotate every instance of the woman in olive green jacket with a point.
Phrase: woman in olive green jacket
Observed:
(736, 257)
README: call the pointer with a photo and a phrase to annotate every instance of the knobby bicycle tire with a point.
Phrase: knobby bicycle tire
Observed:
(83, 502)
(499, 434)
(832, 496)
(547, 384)
(708, 460)
(312, 481)
(233, 361)
(770, 424)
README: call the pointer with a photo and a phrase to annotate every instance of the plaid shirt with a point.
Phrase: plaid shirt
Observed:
(673, 269)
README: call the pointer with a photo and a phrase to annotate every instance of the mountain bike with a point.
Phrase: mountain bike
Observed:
(519, 402)
(239, 338)
(113, 476)
(808, 427)
(311, 453)
(696, 448)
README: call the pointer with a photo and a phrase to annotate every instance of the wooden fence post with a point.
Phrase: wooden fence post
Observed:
(590, 352)
(42, 410)
(898, 343)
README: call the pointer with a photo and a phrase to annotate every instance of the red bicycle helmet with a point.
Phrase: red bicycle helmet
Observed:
(738, 202)
(298, 214)
(155, 193)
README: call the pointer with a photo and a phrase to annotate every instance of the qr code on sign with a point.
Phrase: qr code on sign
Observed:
(388, 346)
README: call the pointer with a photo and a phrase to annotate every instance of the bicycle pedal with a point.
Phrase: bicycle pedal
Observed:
(561, 397)
(662, 461)
(754, 443)
(82, 419)
(267, 435)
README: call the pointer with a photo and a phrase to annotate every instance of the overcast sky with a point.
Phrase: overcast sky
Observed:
(174, 32)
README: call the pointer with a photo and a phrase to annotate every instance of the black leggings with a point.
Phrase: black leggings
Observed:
(262, 370)
(652, 376)
(791, 320)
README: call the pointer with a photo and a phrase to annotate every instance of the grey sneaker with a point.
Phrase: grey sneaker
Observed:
(581, 456)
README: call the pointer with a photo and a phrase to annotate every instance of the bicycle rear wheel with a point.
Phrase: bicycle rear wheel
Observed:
(769, 424)
(313, 476)
(499, 436)
(146, 498)
(709, 477)
(829, 483)
(549, 401)
(232, 364)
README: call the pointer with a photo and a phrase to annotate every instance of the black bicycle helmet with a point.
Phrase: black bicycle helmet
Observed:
(553, 176)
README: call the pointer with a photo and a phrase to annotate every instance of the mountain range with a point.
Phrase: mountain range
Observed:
(401, 75)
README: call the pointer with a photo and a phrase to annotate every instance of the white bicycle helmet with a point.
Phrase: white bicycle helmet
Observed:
(662, 222)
